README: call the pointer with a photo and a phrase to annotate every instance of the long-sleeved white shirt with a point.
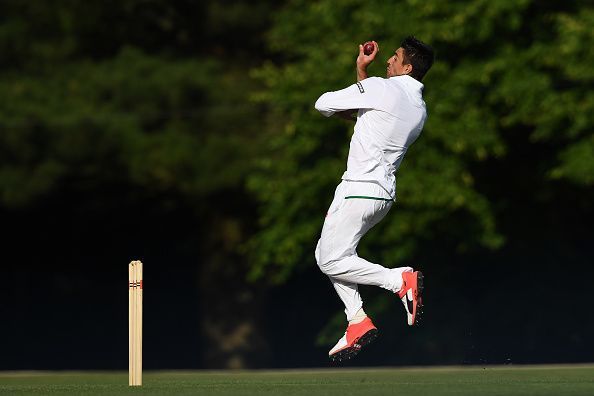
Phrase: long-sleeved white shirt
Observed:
(390, 118)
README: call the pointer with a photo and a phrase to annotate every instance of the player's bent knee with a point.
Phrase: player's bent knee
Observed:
(324, 267)
(328, 267)
(326, 260)
(322, 260)
(317, 253)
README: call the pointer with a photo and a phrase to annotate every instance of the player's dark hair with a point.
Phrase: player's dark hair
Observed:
(417, 54)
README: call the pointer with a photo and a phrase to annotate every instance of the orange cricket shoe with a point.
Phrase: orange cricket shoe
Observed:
(410, 294)
(356, 337)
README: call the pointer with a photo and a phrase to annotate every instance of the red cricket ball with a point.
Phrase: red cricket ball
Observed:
(368, 48)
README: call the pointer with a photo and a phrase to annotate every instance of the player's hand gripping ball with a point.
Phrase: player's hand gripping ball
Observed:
(368, 48)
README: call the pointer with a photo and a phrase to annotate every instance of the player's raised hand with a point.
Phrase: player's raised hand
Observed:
(367, 53)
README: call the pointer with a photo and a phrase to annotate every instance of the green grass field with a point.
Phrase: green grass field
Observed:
(503, 380)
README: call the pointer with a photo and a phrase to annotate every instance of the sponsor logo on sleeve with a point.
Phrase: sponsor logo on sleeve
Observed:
(360, 87)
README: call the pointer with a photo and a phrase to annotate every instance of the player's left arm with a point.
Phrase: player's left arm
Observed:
(365, 94)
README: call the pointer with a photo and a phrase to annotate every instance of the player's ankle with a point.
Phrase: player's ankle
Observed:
(359, 317)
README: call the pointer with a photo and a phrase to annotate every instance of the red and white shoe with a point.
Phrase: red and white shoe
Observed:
(356, 337)
(411, 296)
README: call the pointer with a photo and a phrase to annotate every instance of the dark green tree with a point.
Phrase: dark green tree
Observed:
(138, 110)
(506, 71)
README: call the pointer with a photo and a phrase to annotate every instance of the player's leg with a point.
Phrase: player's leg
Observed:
(346, 223)
(411, 295)
(350, 297)
(360, 330)
(354, 269)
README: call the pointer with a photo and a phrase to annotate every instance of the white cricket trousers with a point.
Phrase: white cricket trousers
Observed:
(355, 209)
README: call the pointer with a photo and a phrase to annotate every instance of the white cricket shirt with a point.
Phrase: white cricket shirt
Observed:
(390, 118)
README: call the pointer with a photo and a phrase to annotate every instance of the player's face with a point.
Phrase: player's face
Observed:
(395, 67)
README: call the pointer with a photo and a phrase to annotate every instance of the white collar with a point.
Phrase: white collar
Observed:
(410, 81)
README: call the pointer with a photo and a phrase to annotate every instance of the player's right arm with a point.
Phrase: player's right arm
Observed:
(363, 61)
(362, 95)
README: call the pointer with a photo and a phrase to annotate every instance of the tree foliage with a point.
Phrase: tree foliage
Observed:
(134, 118)
(123, 92)
(125, 131)
(503, 69)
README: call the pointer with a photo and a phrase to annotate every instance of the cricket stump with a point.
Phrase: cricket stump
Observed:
(135, 323)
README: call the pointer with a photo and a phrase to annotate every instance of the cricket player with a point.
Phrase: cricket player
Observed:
(390, 113)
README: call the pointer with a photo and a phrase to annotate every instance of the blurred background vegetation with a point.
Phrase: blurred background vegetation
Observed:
(183, 133)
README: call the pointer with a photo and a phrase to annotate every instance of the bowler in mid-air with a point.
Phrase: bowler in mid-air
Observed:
(390, 114)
